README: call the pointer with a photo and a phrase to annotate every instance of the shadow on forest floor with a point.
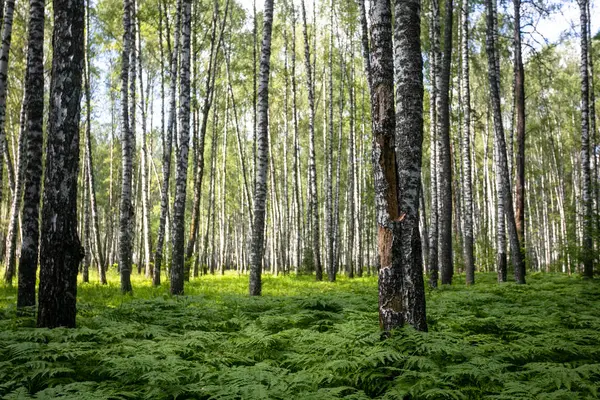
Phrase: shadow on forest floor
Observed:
(309, 340)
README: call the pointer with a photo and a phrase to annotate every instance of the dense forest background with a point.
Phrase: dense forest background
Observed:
(326, 40)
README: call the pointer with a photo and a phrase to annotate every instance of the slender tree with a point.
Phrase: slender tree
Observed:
(586, 199)
(177, 267)
(312, 164)
(126, 218)
(60, 250)
(519, 96)
(34, 109)
(504, 193)
(444, 161)
(260, 186)
(466, 150)
(4, 53)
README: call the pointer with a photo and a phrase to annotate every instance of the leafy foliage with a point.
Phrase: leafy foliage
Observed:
(309, 340)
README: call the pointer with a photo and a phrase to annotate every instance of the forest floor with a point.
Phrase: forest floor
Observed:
(309, 340)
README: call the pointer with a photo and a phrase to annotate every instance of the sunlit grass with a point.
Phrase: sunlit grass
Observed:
(308, 340)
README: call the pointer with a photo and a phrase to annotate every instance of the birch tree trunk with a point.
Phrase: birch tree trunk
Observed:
(444, 161)
(312, 166)
(260, 187)
(34, 109)
(13, 222)
(586, 200)
(167, 148)
(504, 193)
(466, 144)
(329, 162)
(177, 267)
(144, 161)
(4, 54)
(520, 110)
(400, 301)
(126, 221)
(434, 35)
(60, 250)
(90, 177)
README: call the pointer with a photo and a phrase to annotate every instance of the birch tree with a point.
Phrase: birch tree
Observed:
(262, 155)
(177, 267)
(34, 109)
(61, 250)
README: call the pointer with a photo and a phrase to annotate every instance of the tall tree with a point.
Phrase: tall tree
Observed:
(34, 109)
(260, 186)
(400, 301)
(519, 96)
(586, 199)
(4, 53)
(313, 209)
(177, 267)
(126, 218)
(466, 147)
(89, 161)
(167, 142)
(60, 250)
(504, 193)
(445, 165)
(434, 38)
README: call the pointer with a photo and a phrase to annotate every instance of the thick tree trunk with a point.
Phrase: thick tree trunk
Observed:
(586, 199)
(296, 158)
(34, 108)
(312, 165)
(400, 299)
(466, 149)
(177, 266)
(329, 162)
(60, 250)
(126, 218)
(260, 188)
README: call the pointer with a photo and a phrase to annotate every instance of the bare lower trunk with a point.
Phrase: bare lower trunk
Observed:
(60, 250)
(34, 108)
(260, 189)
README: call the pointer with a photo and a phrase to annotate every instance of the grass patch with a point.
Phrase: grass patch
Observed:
(308, 340)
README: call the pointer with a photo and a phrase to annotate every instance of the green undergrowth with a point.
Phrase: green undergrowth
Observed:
(309, 340)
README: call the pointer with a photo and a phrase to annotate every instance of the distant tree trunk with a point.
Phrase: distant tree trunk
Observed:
(586, 200)
(520, 110)
(329, 163)
(466, 178)
(312, 166)
(177, 267)
(85, 232)
(397, 295)
(4, 53)
(61, 251)
(504, 193)
(13, 222)
(90, 178)
(445, 165)
(434, 34)
(167, 142)
(126, 221)
(296, 157)
(34, 108)
(144, 161)
(260, 188)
